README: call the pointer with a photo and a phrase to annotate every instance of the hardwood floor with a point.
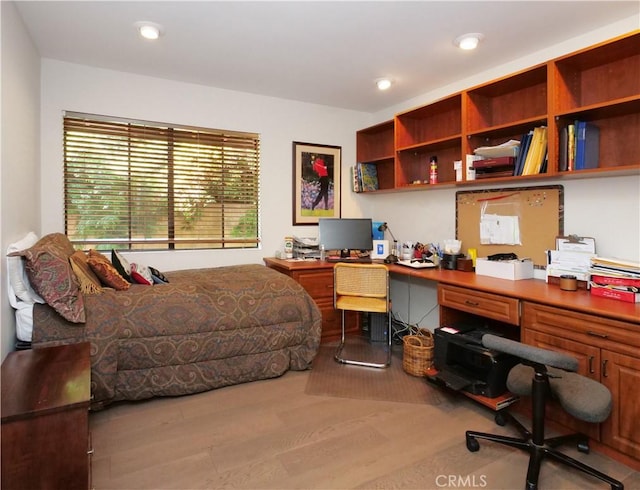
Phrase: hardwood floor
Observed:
(271, 435)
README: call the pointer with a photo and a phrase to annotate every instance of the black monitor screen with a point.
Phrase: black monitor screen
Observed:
(346, 233)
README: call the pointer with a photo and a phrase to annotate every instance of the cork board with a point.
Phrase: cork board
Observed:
(534, 217)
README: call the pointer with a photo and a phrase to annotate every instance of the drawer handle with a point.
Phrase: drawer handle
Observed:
(598, 334)
(90, 452)
(591, 359)
(471, 303)
(604, 369)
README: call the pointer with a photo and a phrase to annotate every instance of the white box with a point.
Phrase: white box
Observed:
(380, 249)
(505, 269)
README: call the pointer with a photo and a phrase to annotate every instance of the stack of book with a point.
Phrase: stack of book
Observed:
(532, 158)
(615, 279)
(494, 167)
(579, 146)
(364, 177)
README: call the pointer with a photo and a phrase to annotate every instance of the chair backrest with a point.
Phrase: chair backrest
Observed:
(531, 353)
(364, 280)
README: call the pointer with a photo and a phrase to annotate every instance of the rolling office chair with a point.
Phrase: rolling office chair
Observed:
(540, 374)
(364, 288)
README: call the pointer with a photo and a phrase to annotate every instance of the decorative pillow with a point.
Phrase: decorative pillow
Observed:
(107, 273)
(52, 277)
(89, 282)
(18, 279)
(141, 274)
(121, 264)
(158, 277)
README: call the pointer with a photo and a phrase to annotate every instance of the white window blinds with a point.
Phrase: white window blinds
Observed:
(142, 185)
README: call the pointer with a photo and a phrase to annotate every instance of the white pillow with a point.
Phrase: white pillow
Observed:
(19, 285)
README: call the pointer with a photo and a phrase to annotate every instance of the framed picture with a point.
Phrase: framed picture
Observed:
(316, 182)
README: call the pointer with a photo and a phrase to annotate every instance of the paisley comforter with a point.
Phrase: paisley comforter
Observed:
(205, 329)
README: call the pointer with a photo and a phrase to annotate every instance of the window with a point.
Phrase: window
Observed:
(140, 185)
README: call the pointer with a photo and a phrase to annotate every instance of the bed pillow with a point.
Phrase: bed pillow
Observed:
(158, 277)
(106, 272)
(89, 282)
(51, 275)
(141, 274)
(17, 273)
(121, 264)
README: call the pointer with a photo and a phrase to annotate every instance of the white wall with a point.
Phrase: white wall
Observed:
(80, 88)
(19, 172)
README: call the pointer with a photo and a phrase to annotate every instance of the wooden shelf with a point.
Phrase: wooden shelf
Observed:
(599, 84)
(497, 403)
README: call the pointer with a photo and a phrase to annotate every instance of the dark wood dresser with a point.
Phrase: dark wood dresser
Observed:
(45, 418)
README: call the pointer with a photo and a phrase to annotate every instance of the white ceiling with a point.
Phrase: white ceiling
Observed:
(321, 52)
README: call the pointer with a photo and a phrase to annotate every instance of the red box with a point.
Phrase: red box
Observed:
(604, 292)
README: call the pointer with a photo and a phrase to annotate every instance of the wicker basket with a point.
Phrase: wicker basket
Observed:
(418, 353)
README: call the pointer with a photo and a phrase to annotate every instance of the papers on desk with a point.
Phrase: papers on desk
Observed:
(572, 257)
(416, 264)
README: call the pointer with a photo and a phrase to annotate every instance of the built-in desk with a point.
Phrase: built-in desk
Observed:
(603, 334)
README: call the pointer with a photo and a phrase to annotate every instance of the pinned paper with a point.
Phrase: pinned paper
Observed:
(499, 230)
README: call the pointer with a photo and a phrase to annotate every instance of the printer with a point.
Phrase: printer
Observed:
(463, 363)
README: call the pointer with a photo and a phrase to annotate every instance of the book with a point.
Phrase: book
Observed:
(563, 149)
(494, 162)
(492, 174)
(613, 293)
(522, 153)
(615, 281)
(541, 151)
(369, 177)
(587, 145)
(536, 152)
(571, 147)
(355, 183)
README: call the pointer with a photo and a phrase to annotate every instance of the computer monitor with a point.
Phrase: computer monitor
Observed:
(345, 234)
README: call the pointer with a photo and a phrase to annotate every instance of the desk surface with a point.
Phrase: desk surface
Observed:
(534, 290)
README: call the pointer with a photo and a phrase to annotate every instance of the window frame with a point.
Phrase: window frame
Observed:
(206, 178)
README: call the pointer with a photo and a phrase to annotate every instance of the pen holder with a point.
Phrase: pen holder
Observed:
(568, 283)
(450, 261)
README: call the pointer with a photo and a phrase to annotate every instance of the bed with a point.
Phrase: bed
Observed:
(202, 329)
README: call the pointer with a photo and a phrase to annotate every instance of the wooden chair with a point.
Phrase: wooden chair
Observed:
(363, 288)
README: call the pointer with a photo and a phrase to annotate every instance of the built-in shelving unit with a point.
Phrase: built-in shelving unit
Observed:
(599, 84)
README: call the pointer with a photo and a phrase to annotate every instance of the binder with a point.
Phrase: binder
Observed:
(563, 149)
(587, 145)
(571, 147)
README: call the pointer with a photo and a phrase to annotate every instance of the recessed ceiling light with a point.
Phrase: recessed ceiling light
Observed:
(384, 83)
(149, 30)
(468, 41)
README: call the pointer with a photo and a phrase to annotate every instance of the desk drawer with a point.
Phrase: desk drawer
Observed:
(319, 284)
(581, 327)
(488, 305)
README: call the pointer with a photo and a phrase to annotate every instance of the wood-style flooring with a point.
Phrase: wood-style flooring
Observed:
(272, 435)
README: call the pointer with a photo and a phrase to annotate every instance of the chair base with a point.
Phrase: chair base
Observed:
(538, 452)
(380, 365)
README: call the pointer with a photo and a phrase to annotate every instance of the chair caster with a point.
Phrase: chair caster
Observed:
(472, 444)
(583, 447)
(500, 419)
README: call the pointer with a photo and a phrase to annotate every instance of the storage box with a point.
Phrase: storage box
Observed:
(505, 269)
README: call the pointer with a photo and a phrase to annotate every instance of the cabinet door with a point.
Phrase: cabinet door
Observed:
(589, 365)
(621, 374)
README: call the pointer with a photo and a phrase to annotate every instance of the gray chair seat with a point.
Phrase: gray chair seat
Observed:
(580, 396)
